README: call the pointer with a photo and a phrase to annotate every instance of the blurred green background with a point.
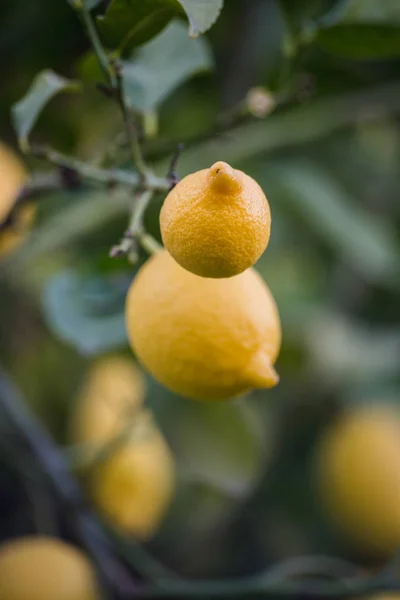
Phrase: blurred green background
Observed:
(327, 158)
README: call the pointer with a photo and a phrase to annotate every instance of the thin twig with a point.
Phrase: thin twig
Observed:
(135, 232)
(101, 54)
(130, 125)
(108, 177)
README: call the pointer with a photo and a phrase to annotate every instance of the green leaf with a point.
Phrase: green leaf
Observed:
(202, 14)
(220, 445)
(361, 240)
(371, 11)
(88, 3)
(44, 87)
(162, 65)
(361, 41)
(366, 30)
(86, 313)
(129, 23)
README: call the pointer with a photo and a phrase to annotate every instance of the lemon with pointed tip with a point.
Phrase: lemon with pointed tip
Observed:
(216, 222)
(203, 338)
(358, 476)
(45, 568)
(110, 397)
(132, 488)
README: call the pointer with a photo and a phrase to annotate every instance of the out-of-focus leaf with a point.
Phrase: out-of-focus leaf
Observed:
(27, 110)
(361, 41)
(88, 3)
(202, 14)
(370, 11)
(162, 65)
(87, 313)
(366, 30)
(366, 243)
(345, 350)
(221, 445)
(129, 23)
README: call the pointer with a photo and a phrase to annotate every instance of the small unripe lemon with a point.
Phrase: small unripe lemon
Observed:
(110, 397)
(12, 178)
(133, 487)
(203, 338)
(44, 568)
(358, 475)
(216, 222)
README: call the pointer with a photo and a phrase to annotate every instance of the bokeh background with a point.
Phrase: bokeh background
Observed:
(328, 159)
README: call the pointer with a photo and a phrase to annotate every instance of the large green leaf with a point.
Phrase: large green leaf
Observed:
(221, 445)
(129, 23)
(366, 30)
(371, 11)
(361, 41)
(202, 14)
(26, 111)
(162, 65)
(86, 313)
(367, 244)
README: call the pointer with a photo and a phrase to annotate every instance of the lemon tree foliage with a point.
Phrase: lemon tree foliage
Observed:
(86, 312)
(26, 111)
(360, 29)
(128, 23)
(160, 66)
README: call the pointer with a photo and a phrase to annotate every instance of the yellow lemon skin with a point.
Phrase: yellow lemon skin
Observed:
(110, 397)
(134, 486)
(358, 475)
(44, 568)
(206, 339)
(13, 236)
(12, 178)
(216, 222)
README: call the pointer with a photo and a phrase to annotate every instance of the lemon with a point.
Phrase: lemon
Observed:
(12, 178)
(14, 235)
(110, 397)
(358, 475)
(44, 568)
(132, 488)
(203, 338)
(216, 222)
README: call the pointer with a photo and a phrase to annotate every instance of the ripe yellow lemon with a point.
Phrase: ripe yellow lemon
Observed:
(12, 236)
(216, 222)
(358, 475)
(44, 568)
(110, 397)
(133, 487)
(12, 178)
(203, 338)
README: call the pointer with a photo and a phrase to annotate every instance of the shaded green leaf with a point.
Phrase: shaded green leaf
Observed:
(349, 351)
(86, 313)
(361, 41)
(26, 111)
(371, 11)
(129, 23)
(368, 244)
(202, 14)
(220, 445)
(366, 29)
(162, 65)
